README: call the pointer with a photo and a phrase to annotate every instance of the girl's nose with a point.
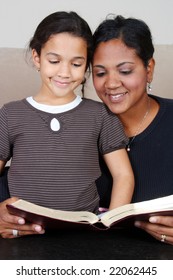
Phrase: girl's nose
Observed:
(63, 70)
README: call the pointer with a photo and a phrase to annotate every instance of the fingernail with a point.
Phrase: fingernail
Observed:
(39, 229)
(21, 221)
(137, 224)
(153, 220)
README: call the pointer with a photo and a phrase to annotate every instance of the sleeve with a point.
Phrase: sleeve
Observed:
(112, 135)
(5, 149)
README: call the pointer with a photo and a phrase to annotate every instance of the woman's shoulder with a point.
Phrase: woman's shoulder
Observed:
(162, 100)
(165, 108)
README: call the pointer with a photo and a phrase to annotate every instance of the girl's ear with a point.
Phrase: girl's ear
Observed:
(36, 59)
(150, 70)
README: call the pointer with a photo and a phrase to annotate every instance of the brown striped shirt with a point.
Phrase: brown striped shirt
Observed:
(57, 169)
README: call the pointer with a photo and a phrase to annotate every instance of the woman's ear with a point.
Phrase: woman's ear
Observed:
(150, 70)
(36, 59)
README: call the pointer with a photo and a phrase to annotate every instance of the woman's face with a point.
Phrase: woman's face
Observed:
(119, 75)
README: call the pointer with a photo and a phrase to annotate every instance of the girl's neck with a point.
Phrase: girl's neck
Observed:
(51, 99)
(138, 118)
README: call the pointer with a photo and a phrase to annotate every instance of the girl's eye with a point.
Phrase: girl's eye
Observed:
(76, 64)
(53, 61)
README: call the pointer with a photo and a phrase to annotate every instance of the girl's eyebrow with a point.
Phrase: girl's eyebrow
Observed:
(58, 55)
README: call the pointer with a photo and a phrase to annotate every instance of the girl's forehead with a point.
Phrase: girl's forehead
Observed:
(65, 44)
(65, 37)
(65, 40)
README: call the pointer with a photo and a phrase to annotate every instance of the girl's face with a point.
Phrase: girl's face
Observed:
(62, 64)
(119, 76)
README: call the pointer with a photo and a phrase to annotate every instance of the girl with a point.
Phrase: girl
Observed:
(54, 136)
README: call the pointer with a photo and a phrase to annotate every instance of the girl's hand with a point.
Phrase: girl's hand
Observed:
(12, 226)
(160, 227)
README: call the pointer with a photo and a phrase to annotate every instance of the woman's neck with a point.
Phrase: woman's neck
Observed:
(138, 118)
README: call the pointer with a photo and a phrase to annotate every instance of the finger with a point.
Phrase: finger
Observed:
(26, 228)
(157, 228)
(163, 220)
(8, 218)
(157, 231)
(9, 233)
(167, 239)
(5, 216)
(6, 231)
(37, 228)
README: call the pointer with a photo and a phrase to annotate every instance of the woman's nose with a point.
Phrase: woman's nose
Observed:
(112, 82)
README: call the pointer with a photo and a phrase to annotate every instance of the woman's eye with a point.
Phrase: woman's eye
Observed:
(125, 72)
(100, 74)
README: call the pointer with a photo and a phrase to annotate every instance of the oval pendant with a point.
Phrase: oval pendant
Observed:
(55, 124)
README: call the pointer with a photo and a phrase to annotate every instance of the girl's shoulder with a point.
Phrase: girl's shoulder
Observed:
(98, 106)
(92, 102)
(14, 104)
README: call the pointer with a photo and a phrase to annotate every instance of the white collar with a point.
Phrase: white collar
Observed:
(54, 109)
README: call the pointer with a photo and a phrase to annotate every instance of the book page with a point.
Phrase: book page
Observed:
(75, 216)
(144, 207)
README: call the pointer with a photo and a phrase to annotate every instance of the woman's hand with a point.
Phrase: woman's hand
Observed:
(12, 226)
(160, 227)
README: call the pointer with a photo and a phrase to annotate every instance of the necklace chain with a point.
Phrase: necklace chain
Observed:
(139, 127)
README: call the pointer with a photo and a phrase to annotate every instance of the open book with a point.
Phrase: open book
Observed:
(118, 217)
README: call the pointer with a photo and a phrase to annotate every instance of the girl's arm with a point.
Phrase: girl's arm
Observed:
(2, 165)
(123, 178)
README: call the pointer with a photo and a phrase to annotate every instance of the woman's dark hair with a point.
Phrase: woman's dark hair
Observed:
(134, 33)
(59, 22)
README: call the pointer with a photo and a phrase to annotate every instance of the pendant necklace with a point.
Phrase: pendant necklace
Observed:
(139, 128)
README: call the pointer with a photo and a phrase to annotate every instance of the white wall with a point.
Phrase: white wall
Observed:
(19, 18)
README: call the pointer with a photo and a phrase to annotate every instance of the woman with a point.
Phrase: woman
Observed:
(123, 66)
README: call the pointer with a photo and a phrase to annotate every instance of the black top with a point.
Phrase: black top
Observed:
(151, 156)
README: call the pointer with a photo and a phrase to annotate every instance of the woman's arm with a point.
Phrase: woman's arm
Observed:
(123, 178)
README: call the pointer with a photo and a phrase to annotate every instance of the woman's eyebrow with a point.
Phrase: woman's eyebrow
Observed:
(98, 66)
(125, 62)
(118, 65)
